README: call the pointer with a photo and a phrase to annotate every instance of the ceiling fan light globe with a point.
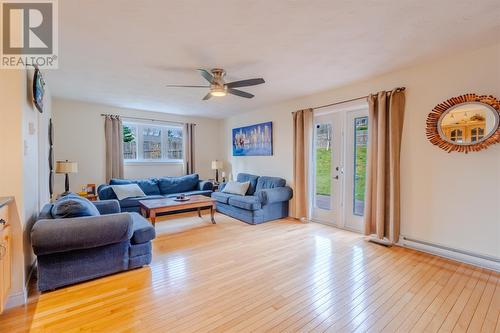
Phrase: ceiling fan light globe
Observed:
(218, 92)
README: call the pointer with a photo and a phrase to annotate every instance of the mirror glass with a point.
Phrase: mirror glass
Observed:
(468, 123)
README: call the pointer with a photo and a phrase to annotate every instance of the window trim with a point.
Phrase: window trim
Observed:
(164, 139)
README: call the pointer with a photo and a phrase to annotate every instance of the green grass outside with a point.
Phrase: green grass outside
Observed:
(360, 180)
(324, 172)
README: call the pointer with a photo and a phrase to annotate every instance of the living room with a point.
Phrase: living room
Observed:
(252, 166)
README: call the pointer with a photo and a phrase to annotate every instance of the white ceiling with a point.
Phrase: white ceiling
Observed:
(123, 53)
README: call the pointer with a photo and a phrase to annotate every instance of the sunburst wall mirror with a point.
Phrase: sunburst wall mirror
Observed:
(465, 123)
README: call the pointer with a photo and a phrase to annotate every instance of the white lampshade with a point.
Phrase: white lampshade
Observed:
(217, 165)
(66, 167)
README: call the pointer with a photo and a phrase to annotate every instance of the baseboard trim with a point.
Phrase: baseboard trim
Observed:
(17, 299)
(21, 297)
(449, 253)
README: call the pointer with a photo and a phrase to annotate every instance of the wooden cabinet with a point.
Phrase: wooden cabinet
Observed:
(5, 257)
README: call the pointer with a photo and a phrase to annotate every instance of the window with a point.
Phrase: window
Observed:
(143, 142)
(457, 135)
(477, 134)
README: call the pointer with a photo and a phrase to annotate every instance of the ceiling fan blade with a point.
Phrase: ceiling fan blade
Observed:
(245, 83)
(240, 93)
(183, 86)
(207, 96)
(207, 75)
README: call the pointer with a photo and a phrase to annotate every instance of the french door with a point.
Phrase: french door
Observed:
(339, 166)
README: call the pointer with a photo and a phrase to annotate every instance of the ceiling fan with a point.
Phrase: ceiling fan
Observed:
(219, 88)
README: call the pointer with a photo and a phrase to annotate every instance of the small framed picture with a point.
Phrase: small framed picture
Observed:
(91, 189)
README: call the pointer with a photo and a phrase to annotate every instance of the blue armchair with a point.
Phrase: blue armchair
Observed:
(72, 250)
(266, 199)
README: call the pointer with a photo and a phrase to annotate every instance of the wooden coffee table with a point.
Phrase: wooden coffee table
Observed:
(150, 208)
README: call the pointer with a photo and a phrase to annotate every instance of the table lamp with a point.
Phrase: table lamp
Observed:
(216, 165)
(66, 167)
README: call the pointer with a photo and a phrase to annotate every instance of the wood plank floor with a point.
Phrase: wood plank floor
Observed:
(282, 276)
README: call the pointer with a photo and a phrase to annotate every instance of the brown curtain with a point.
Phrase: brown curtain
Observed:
(113, 130)
(382, 210)
(302, 145)
(189, 148)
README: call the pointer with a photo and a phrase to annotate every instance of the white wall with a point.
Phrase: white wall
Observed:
(79, 136)
(449, 199)
(20, 168)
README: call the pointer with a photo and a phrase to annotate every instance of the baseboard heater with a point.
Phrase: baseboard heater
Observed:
(468, 257)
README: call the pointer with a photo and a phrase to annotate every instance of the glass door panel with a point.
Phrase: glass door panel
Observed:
(355, 180)
(323, 166)
(327, 192)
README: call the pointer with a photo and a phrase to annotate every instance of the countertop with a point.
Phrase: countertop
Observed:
(5, 201)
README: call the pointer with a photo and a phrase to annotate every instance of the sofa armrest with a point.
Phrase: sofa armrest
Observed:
(277, 194)
(204, 185)
(106, 207)
(63, 235)
(221, 186)
(105, 192)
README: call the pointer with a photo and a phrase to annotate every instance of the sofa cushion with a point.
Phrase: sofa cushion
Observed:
(134, 202)
(169, 185)
(143, 230)
(236, 187)
(248, 202)
(149, 186)
(127, 191)
(73, 206)
(222, 197)
(246, 177)
(265, 182)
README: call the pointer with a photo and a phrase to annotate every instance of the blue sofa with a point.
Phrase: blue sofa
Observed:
(71, 250)
(156, 188)
(266, 199)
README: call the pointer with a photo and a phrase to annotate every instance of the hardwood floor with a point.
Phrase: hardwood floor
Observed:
(282, 276)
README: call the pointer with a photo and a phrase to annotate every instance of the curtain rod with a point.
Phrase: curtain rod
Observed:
(138, 118)
(353, 99)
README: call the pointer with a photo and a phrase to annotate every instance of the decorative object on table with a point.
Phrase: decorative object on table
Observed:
(217, 165)
(66, 167)
(465, 123)
(91, 189)
(254, 140)
(38, 89)
(223, 175)
(51, 159)
(181, 197)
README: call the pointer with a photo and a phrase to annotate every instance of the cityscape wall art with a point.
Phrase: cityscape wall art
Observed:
(253, 140)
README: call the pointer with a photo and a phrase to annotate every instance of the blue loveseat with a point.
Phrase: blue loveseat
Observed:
(71, 250)
(156, 188)
(266, 199)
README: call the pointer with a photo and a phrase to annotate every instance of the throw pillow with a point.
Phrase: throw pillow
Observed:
(73, 206)
(127, 191)
(236, 188)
